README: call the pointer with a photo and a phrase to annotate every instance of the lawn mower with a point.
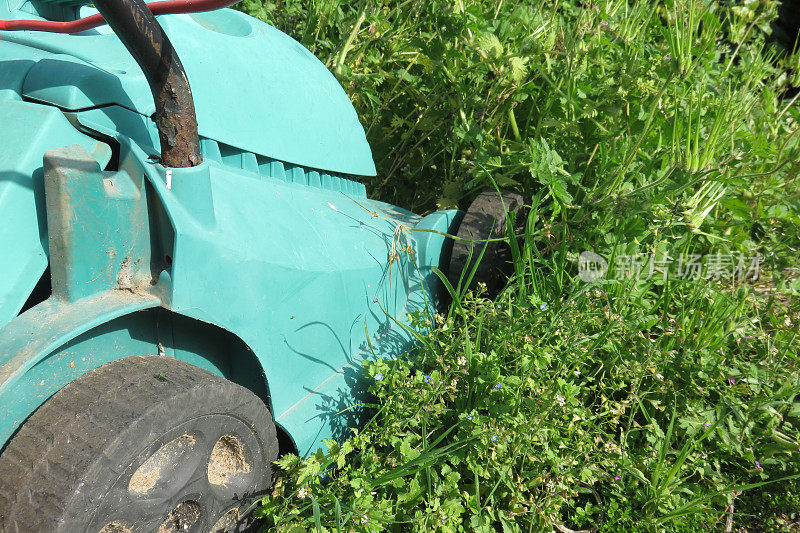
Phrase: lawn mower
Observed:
(191, 269)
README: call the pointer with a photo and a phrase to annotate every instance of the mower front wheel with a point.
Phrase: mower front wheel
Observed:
(146, 443)
(484, 226)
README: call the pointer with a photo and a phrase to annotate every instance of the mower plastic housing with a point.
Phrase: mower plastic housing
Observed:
(266, 264)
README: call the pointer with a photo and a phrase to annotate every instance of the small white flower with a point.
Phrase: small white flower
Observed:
(560, 400)
(659, 377)
(302, 493)
(461, 361)
(365, 519)
(610, 447)
(454, 383)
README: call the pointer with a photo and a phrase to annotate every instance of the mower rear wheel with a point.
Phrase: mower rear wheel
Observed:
(145, 443)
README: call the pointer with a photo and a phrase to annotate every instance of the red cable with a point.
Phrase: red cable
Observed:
(164, 7)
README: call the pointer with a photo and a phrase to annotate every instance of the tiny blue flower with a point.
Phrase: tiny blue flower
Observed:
(543, 306)
(470, 417)
(379, 377)
(497, 387)
(494, 438)
(499, 306)
(427, 379)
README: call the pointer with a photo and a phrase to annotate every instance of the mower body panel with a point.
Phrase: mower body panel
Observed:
(266, 265)
(255, 88)
(23, 237)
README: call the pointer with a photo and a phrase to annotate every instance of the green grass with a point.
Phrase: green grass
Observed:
(666, 129)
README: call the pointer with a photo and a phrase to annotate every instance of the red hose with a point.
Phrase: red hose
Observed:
(164, 7)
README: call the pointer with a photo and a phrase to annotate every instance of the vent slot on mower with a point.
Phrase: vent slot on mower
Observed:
(230, 156)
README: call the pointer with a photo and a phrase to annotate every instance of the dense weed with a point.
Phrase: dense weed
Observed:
(651, 402)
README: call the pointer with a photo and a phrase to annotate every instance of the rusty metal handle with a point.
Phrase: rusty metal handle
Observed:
(145, 39)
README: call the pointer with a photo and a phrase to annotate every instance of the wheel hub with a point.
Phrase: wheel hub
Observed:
(197, 478)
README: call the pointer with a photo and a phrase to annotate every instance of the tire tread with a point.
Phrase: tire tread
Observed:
(69, 431)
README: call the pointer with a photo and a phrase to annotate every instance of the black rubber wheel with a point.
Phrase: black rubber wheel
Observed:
(142, 444)
(787, 26)
(486, 218)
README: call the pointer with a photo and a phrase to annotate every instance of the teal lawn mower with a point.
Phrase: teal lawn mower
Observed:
(188, 277)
